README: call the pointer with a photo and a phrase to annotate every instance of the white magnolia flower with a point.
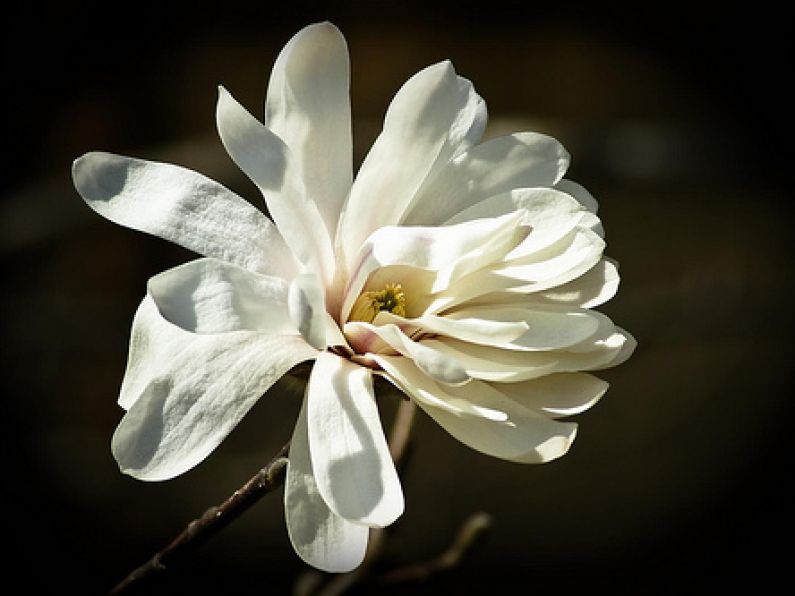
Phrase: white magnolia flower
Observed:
(463, 273)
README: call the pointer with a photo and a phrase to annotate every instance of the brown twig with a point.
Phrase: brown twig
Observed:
(212, 521)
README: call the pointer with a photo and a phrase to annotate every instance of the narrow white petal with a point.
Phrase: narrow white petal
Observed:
(308, 107)
(212, 296)
(547, 327)
(184, 207)
(319, 536)
(433, 116)
(265, 159)
(189, 404)
(352, 466)
(593, 288)
(521, 160)
(466, 326)
(522, 435)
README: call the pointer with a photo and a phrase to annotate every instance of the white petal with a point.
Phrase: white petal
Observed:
(265, 159)
(510, 366)
(521, 160)
(547, 327)
(523, 436)
(593, 288)
(556, 395)
(353, 469)
(321, 538)
(184, 207)
(579, 192)
(466, 326)
(433, 363)
(433, 116)
(189, 404)
(211, 296)
(308, 106)
(307, 309)
(550, 267)
(451, 251)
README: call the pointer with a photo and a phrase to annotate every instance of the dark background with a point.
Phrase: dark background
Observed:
(678, 119)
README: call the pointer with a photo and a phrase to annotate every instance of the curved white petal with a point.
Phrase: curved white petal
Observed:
(466, 326)
(433, 116)
(352, 465)
(593, 288)
(580, 193)
(523, 436)
(435, 364)
(308, 107)
(553, 266)
(321, 538)
(212, 296)
(189, 404)
(451, 251)
(495, 364)
(184, 207)
(520, 160)
(556, 395)
(265, 159)
(547, 327)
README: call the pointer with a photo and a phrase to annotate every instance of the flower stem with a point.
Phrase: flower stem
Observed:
(212, 521)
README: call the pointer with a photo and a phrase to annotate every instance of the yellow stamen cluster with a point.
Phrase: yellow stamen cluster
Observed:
(369, 304)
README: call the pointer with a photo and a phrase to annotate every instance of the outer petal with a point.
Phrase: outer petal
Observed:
(308, 106)
(189, 404)
(352, 466)
(432, 117)
(595, 287)
(524, 436)
(184, 207)
(211, 296)
(265, 159)
(319, 536)
(521, 160)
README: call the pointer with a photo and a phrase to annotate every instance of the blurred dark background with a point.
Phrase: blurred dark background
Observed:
(678, 119)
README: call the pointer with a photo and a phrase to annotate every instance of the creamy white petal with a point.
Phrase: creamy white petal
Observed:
(556, 395)
(433, 116)
(184, 207)
(265, 159)
(627, 344)
(352, 465)
(308, 107)
(580, 193)
(435, 364)
(521, 160)
(321, 538)
(452, 251)
(189, 404)
(560, 263)
(523, 436)
(464, 325)
(510, 366)
(212, 296)
(593, 288)
(547, 327)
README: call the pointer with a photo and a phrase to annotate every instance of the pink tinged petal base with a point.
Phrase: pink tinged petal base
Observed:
(352, 466)
(319, 536)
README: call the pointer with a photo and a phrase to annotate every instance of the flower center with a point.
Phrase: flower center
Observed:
(369, 304)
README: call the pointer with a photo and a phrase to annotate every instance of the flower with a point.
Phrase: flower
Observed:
(463, 273)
